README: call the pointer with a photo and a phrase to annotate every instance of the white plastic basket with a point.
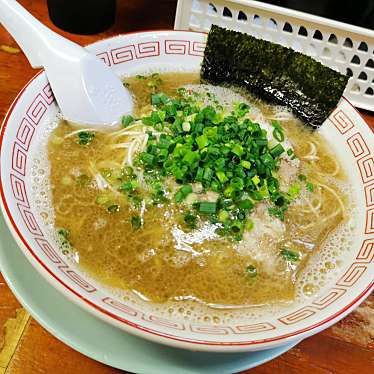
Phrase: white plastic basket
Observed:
(348, 49)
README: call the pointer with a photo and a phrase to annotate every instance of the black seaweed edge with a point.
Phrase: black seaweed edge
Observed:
(275, 73)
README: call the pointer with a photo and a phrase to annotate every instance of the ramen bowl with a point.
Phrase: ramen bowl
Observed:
(35, 108)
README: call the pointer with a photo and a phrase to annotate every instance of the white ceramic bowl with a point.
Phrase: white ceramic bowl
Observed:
(34, 107)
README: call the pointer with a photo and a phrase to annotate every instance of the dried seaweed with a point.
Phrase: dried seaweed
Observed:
(273, 72)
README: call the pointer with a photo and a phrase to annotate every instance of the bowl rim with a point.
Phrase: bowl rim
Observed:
(133, 327)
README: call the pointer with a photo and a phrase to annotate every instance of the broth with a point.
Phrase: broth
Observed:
(162, 261)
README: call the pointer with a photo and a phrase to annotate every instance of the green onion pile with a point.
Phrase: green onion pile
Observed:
(225, 152)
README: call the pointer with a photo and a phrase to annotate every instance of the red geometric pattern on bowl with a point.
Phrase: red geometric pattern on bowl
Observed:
(50, 252)
(306, 312)
(369, 194)
(157, 320)
(369, 229)
(352, 275)
(37, 109)
(30, 220)
(297, 316)
(19, 189)
(253, 328)
(24, 134)
(366, 167)
(137, 51)
(104, 56)
(111, 307)
(115, 304)
(327, 300)
(77, 279)
(19, 158)
(358, 145)
(184, 47)
(366, 253)
(48, 94)
(341, 121)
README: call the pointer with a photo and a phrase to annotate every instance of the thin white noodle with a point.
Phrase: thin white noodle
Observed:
(315, 198)
(144, 144)
(314, 211)
(310, 158)
(131, 151)
(332, 191)
(120, 132)
(120, 145)
(309, 225)
(312, 152)
(336, 212)
(335, 172)
(281, 116)
(133, 133)
(101, 182)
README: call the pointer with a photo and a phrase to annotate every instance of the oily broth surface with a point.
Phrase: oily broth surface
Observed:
(147, 261)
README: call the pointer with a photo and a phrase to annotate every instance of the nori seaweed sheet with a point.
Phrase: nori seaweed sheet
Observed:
(275, 73)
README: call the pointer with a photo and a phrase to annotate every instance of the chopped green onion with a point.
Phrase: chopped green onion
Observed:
(64, 233)
(278, 134)
(228, 191)
(85, 137)
(245, 164)
(221, 176)
(237, 183)
(202, 141)
(83, 180)
(251, 271)
(236, 226)
(186, 126)
(208, 174)
(278, 212)
(129, 186)
(291, 153)
(277, 150)
(294, 191)
(309, 187)
(102, 199)
(179, 197)
(127, 120)
(207, 207)
(245, 204)
(190, 219)
(237, 149)
(113, 208)
(249, 225)
(147, 159)
(290, 256)
(223, 216)
(186, 189)
(136, 222)
(256, 180)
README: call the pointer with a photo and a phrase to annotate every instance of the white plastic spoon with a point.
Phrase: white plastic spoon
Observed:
(86, 90)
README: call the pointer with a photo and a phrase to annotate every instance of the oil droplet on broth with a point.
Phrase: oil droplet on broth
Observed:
(310, 289)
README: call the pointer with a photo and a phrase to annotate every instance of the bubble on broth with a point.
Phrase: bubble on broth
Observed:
(331, 257)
